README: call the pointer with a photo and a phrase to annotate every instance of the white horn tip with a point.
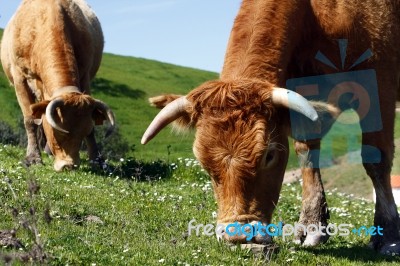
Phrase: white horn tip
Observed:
(311, 114)
(314, 116)
(294, 101)
(145, 139)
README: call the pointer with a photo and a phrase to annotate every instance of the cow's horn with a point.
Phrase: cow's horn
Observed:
(110, 115)
(294, 101)
(168, 114)
(51, 111)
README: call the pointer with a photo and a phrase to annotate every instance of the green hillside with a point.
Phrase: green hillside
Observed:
(125, 84)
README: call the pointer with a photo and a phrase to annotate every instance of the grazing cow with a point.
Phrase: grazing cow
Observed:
(50, 51)
(242, 120)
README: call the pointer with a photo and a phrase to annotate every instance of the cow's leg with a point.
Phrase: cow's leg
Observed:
(314, 210)
(377, 154)
(93, 150)
(95, 157)
(25, 98)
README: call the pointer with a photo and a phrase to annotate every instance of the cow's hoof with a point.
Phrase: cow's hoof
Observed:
(311, 240)
(315, 239)
(99, 163)
(392, 249)
(32, 159)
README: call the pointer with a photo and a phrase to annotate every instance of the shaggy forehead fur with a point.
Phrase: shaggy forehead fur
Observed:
(78, 100)
(232, 123)
(229, 98)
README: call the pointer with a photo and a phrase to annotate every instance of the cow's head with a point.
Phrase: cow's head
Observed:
(241, 141)
(67, 120)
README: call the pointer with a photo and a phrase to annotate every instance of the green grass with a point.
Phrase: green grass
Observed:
(145, 222)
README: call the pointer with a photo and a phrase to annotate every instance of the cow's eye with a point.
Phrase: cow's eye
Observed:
(270, 157)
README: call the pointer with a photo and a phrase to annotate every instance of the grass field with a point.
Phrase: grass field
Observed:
(111, 218)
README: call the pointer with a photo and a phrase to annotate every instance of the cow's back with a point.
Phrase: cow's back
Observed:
(92, 25)
(374, 22)
(269, 37)
(367, 24)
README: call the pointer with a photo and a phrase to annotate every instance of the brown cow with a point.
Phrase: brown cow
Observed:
(50, 51)
(242, 120)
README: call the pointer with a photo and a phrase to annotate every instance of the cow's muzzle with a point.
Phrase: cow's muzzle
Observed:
(244, 233)
(60, 165)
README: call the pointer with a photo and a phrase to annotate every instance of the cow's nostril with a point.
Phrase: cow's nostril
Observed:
(63, 165)
(244, 233)
(68, 167)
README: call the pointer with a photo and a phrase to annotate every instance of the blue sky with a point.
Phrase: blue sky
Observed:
(190, 33)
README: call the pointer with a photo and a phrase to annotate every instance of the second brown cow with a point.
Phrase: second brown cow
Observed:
(50, 51)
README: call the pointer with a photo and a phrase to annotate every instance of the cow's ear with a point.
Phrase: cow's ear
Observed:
(303, 128)
(98, 117)
(161, 101)
(180, 125)
(38, 109)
